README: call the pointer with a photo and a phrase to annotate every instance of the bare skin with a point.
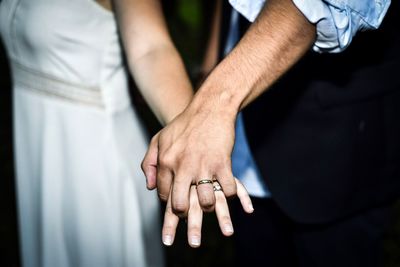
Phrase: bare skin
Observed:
(198, 143)
(195, 216)
(160, 75)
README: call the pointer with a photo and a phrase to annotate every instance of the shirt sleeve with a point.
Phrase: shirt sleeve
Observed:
(337, 21)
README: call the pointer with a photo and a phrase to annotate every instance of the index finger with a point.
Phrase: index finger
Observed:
(170, 224)
(149, 163)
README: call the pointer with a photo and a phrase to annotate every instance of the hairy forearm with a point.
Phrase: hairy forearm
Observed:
(153, 59)
(274, 43)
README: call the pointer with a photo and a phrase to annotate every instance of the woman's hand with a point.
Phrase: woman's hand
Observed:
(195, 215)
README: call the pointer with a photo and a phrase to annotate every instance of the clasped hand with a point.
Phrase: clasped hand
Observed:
(187, 161)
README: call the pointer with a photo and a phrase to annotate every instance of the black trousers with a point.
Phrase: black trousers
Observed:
(269, 238)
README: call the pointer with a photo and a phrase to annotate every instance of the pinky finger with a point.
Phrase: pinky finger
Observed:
(244, 197)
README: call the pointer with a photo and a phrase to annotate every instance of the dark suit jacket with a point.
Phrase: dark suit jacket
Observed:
(326, 136)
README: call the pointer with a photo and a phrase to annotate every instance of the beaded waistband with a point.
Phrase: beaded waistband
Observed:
(51, 86)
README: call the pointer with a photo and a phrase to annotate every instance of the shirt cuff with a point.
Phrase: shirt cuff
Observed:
(338, 21)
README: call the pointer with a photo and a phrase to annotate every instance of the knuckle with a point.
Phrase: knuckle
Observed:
(167, 159)
(219, 165)
(207, 203)
(163, 196)
(180, 208)
(208, 209)
(194, 229)
(168, 228)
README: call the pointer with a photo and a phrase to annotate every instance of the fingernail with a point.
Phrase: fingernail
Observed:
(228, 228)
(167, 240)
(195, 241)
(251, 208)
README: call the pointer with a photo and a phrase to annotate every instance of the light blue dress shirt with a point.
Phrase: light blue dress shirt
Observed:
(337, 21)
(243, 164)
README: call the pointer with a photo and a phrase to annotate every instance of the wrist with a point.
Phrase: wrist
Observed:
(180, 102)
(216, 100)
(221, 92)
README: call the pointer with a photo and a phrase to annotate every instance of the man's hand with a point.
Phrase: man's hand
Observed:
(196, 146)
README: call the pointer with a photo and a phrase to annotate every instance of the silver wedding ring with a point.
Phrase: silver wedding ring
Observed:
(217, 186)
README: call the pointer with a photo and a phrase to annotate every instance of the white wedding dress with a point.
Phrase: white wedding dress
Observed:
(78, 142)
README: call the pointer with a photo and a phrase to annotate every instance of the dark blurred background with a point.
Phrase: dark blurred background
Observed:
(189, 22)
